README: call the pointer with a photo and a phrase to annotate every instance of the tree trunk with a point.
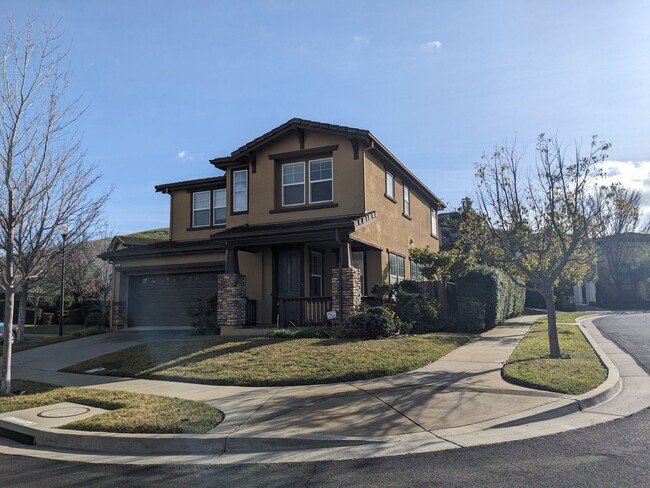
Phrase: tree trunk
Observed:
(22, 313)
(5, 387)
(553, 341)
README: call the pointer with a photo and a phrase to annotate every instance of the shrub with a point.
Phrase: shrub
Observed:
(204, 316)
(47, 318)
(471, 315)
(565, 304)
(303, 333)
(501, 296)
(415, 307)
(76, 317)
(372, 323)
(96, 319)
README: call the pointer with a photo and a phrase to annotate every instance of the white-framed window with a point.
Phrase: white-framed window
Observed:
(407, 201)
(293, 184)
(219, 207)
(416, 271)
(316, 274)
(434, 222)
(390, 185)
(320, 181)
(359, 262)
(201, 209)
(396, 268)
(240, 190)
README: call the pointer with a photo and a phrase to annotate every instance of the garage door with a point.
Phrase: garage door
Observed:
(163, 299)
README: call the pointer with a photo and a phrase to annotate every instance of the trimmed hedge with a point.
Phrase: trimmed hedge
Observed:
(412, 304)
(372, 323)
(471, 314)
(502, 297)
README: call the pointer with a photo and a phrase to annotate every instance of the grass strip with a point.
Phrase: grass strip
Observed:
(69, 332)
(129, 412)
(268, 361)
(578, 371)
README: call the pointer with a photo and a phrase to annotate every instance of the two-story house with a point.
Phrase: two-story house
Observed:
(292, 207)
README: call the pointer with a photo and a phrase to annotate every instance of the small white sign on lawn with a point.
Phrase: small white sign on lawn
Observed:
(331, 315)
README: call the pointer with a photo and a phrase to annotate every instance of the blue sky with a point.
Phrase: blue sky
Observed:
(171, 84)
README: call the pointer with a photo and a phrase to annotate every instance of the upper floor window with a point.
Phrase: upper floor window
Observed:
(201, 209)
(297, 182)
(434, 223)
(396, 268)
(320, 180)
(390, 185)
(209, 208)
(407, 201)
(293, 184)
(219, 207)
(240, 190)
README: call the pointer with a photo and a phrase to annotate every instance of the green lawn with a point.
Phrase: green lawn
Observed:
(129, 412)
(274, 361)
(578, 371)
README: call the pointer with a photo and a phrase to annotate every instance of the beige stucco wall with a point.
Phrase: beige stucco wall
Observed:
(347, 180)
(391, 230)
(181, 219)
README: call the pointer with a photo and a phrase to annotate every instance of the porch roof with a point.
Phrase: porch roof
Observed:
(293, 232)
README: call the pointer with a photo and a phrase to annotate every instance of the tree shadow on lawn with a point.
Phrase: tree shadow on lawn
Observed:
(240, 347)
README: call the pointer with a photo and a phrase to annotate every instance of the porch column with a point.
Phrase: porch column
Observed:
(231, 294)
(232, 260)
(346, 292)
(345, 254)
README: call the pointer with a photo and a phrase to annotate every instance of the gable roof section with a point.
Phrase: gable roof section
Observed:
(246, 153)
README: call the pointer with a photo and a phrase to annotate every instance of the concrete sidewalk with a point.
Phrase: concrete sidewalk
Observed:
(442, 405)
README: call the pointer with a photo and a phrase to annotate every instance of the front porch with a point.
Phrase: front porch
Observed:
(277, 276)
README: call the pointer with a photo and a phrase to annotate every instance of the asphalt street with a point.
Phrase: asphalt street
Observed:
(613, 454)
(631, 333)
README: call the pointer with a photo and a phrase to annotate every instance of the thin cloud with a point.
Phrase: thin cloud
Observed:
(361, 40)
(431, 46)
(185, 154)
(632, 175)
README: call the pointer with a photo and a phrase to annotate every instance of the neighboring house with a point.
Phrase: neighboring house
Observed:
(294, 206)
(624, 270)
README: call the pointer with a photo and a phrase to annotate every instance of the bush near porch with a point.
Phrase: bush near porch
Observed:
(266, 361)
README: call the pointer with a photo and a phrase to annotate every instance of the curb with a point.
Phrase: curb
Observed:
(613, 384)
(167, 444)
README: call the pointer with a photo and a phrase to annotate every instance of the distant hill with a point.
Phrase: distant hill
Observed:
(151, 234)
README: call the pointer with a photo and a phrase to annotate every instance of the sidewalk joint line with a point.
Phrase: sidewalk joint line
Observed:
(393, 408)
(447, 440)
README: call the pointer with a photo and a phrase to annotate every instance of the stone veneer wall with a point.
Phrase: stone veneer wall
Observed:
(351, 285)
(231, 300)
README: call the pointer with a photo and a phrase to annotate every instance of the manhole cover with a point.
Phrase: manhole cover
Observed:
(58, 413)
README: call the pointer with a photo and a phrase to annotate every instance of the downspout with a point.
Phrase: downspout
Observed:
(338, 241)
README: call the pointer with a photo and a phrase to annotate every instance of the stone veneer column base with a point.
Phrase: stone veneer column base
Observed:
(231, 300)
(351, 286)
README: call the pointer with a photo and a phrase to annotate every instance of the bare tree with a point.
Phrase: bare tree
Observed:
(543, 221)
(88, 276)
(45, 181)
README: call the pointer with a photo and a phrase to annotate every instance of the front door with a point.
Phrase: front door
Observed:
(290, 285)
